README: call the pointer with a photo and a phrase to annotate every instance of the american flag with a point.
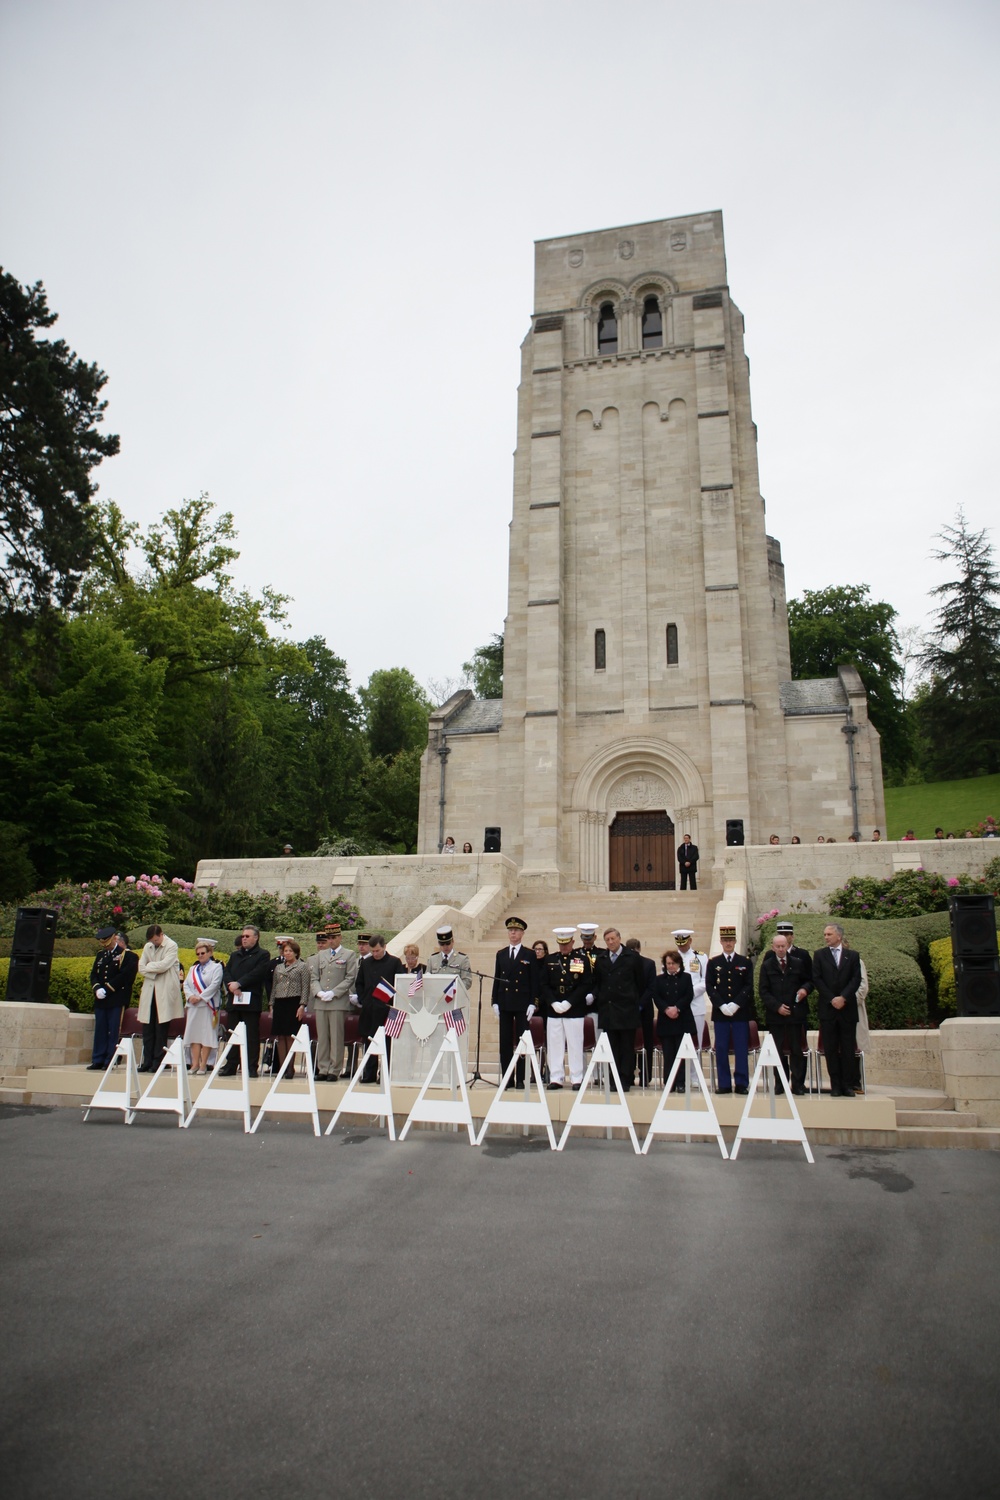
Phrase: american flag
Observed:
(394, 1022)
(450, 992)
(454, 1020)
(384, 991)
(417, 983)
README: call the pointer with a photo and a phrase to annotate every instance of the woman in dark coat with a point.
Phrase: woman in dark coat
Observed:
(672, 993)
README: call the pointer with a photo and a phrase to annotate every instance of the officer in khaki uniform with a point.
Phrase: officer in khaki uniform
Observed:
(333, 973)
(448, 960)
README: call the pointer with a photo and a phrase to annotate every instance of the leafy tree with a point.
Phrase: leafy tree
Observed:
(842, 626)
(486, 668)
(959, 712)
(396, 711)
(76, 753)
(389, 800)
(50, 411)
(17, 873)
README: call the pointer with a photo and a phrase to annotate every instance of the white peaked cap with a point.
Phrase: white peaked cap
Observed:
(564, 933)
(587, 928)
(682, 932)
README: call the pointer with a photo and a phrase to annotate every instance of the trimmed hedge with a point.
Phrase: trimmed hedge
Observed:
(944, 974)
(69, 983)
(897, 995)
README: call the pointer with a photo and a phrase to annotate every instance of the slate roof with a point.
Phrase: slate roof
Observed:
(481, 716)
(814, 695)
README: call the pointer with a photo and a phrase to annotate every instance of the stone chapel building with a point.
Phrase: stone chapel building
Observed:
(647, 689)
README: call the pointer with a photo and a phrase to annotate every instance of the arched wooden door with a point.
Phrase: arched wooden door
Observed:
(642, 852)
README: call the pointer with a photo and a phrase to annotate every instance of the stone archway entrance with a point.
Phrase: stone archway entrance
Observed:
(641, 852)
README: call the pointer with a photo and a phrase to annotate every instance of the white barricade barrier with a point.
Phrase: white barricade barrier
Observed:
(443, 1111)
(770, 1128)
(521, 1111)
(687, 1121)
(217, 1095)
(178, 1103)
(293, 1104)
(378, 1103)
(607, 1113)
(121, 1098)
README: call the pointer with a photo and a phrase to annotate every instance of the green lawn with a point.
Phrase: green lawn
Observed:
(952, 805)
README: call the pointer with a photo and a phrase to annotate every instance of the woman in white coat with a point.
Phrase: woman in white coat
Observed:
(201, 989)
(161, 1000)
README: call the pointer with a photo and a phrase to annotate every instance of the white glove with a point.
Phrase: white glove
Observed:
(531, 1011)
(101, 994)
(325, 995)
(730, 1009)
(590, 999)
(496, 1011)
(560, 1007)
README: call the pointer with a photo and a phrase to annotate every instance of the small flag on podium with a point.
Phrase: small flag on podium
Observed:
(451, 990)
(454, 1020)
(384, 991)
(416, 984)
(394, 1022)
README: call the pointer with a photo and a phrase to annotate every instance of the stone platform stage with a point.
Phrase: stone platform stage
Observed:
(868, 1121)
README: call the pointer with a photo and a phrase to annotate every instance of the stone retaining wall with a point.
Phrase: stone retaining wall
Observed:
(36, 1035)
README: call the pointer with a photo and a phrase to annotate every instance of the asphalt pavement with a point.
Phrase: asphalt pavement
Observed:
(204, 1314)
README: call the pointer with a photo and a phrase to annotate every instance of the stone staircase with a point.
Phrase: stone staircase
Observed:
(928, 1118)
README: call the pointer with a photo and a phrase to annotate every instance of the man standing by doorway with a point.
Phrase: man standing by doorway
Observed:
(687, 860)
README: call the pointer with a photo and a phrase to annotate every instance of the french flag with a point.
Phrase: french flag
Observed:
(384, 992)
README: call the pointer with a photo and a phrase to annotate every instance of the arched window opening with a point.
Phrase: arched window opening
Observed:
(671, 645)
(652, 324)
(607, 330)
(600, 651)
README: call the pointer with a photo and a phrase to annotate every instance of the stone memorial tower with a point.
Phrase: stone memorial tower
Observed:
(647, 689)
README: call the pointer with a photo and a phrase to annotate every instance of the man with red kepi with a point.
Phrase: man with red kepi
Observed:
(729, 986)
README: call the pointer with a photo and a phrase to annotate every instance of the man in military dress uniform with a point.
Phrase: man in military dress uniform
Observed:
(448, 960)
(695, 964)
(513, 995)
(729, 984)
(562, 993)
(333, 972)
(111, 980)
(590, 953)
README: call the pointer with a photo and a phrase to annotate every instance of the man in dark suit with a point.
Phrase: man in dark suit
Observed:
(245, 980)
(687, 860)
(620, 986)
(784, 990)
(380, 965)
(647, 1011)
(837, 977)
(786, 930)
(729, 986)
(513, 995)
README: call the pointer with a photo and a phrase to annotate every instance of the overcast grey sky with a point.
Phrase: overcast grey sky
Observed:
(298, 238)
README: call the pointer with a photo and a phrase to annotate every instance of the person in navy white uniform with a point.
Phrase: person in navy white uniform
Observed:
(695, 963)
(513, 995)
(729, 986)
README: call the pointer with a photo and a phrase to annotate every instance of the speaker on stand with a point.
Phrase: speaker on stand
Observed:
(31, 954)
(491, 841)
(974, 954)
(734, 832)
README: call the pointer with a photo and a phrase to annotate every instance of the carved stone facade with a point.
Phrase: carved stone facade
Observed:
(646, 641)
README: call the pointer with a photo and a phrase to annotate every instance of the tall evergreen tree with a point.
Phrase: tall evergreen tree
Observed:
(50, 411)
(959, 711)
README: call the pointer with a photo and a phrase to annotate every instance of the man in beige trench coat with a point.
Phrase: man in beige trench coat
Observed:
(161, 999)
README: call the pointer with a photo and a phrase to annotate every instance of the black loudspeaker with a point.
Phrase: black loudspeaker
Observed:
(34, 931)
(973, 927)
(28, 978)
(734, 831)
(491, 841)
(977, 986)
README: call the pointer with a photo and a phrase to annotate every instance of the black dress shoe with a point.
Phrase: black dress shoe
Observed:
(95, 1067)
(345, 1074)
(741, 1090)
(555, 1086)
(723, 1091)
(836, 1093)
(798, 1091)
(519, 1085)
(576, 1088)
(847, 1093)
